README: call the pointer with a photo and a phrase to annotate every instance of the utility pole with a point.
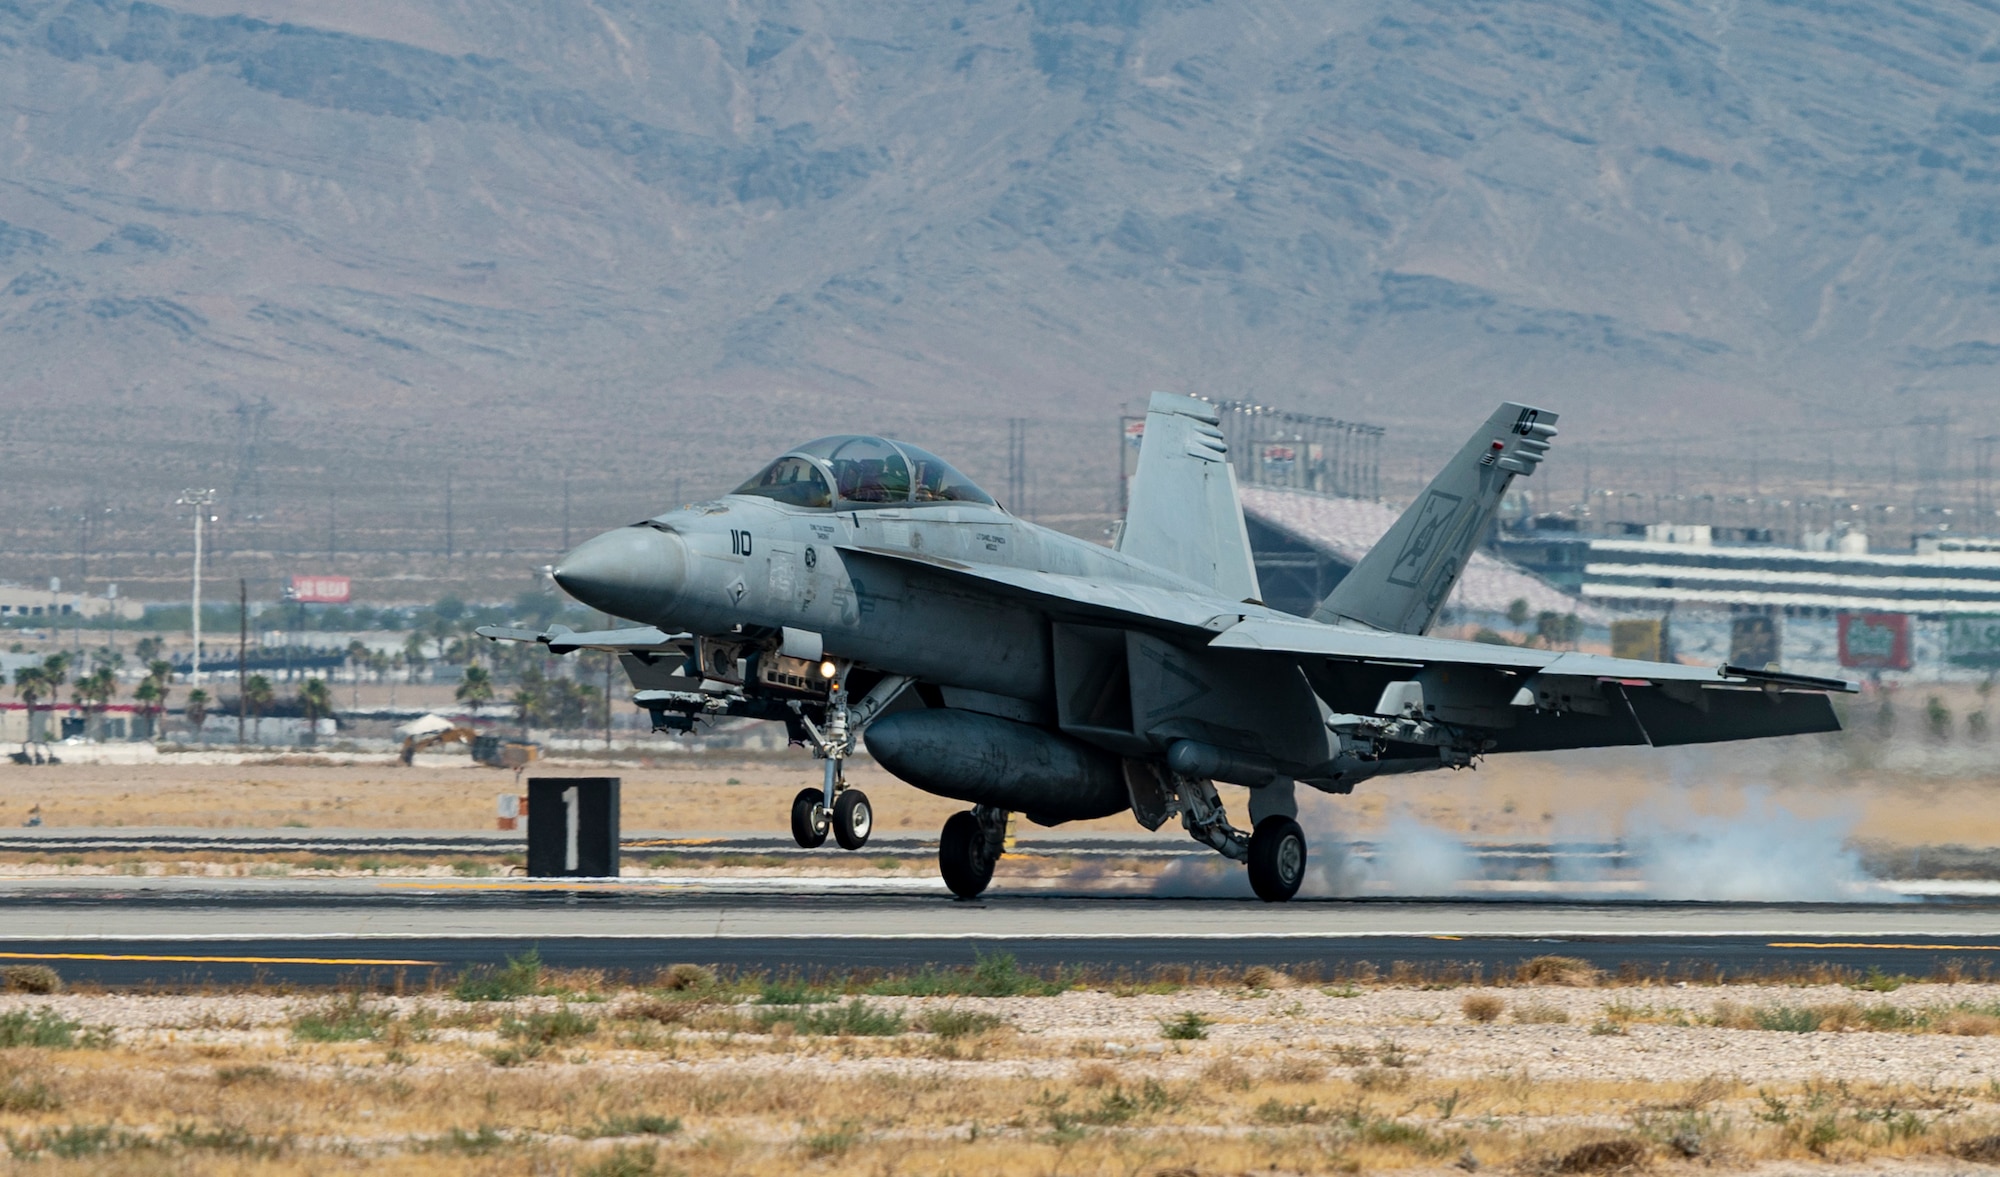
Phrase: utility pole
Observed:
(1017, 465)
(199, 500)
(1982, 486)
(242, 643)
(447, 515)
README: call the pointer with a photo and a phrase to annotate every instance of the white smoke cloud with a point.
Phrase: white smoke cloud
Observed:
(1765, 853)
(1412, 858)
(1203, 878)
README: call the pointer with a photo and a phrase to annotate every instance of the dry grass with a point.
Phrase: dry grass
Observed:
(700, 1073)
(1481, 1007)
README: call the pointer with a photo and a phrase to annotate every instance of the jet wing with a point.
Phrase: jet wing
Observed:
(561, 639)
(1077, 597)
(1522, 700)
(1365, 645)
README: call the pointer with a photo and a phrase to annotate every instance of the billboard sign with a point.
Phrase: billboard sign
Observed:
(1753, 641)
(1875, 641)
(320, 590)
(1642, 639)
(1973, 641)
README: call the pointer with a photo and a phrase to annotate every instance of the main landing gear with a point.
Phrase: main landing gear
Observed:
(1277, 859)
(1274, 852)
(970, 847)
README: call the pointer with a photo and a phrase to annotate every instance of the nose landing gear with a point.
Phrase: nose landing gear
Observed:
(853, 819)
(809, 819)
(834, 805)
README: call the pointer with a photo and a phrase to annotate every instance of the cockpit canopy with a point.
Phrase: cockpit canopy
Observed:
(853, 470)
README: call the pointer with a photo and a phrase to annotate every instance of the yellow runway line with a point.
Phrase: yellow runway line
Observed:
(1872, 944)
(674, 842)
(208, 959)
(531, 886)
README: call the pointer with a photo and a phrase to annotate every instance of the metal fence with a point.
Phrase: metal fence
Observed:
(1275, 447)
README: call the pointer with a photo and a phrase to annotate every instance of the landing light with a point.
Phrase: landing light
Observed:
(828, 669)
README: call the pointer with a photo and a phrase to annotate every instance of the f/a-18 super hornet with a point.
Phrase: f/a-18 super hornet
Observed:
(858, 587)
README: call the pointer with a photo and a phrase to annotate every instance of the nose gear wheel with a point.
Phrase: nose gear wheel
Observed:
(809, 819)
(853, 819)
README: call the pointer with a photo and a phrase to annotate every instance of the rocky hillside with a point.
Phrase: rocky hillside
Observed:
(317, 254)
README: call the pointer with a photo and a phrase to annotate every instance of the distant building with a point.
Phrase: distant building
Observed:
(1680, 567)
(17, 602)
(1305, 543)
(1830, 607)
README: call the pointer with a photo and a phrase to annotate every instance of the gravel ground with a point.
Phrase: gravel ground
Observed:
(1271, 1024)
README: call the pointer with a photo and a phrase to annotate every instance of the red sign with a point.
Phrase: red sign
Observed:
(1875, 641)
(320, 590)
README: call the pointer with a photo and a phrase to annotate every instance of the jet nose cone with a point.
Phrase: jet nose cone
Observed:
(634, 572)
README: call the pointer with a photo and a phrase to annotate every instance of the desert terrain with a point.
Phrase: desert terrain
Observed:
(992, 1069)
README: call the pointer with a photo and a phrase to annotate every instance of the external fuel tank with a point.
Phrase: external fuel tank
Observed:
(1047, 777)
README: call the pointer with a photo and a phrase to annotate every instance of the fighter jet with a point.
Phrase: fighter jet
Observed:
(859, 587)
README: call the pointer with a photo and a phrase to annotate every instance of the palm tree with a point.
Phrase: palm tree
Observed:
(92, 692)
(413, 653)
(315, 700)
(31, 683)
(162, 672)
(476, 687)
(257, 695)
(148, 695)
(197, 711)
(524, 701)
(55, 672)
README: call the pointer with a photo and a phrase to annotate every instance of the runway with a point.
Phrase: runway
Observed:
(189, 932)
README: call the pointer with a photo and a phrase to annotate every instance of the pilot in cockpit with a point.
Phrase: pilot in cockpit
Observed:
(852, 471)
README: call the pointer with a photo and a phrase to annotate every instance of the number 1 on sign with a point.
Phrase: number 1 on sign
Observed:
(570, 816)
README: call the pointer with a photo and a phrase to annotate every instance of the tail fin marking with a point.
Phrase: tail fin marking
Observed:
(1403, 581)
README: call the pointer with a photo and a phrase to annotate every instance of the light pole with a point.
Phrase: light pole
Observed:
(199, 500)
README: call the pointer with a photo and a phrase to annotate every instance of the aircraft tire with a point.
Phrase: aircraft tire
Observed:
(853, 819)
(962, 858)
(1277, 859)
(809, 821)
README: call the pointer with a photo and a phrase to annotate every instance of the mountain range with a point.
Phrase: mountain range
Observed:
(608, 252)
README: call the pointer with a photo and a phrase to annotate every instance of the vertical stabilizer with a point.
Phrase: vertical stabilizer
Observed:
(1184, 515)
(1403, 581)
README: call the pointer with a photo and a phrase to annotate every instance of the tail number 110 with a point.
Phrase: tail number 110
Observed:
(739, 542)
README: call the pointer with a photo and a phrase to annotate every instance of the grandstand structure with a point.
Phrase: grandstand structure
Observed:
(1304, 543)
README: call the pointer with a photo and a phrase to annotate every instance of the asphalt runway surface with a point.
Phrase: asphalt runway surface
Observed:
(183, 932)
